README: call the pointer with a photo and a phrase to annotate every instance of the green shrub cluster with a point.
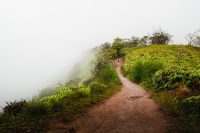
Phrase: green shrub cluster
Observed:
(170, 78)
(143, 71)
(14, 108)
(70, 99)
(171, 72)
(191, 107)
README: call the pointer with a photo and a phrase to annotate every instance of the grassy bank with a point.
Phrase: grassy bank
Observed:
(66, 101)
(172, 74)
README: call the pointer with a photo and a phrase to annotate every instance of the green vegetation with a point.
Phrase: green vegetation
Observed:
(194, 38)
(66, 101)
(118, 45)
(160, 37)
(172, 74)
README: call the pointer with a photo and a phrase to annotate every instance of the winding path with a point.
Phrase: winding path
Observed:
(129, 111)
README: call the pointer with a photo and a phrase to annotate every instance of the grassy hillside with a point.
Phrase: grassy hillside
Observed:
(172, 74)
(67, 101)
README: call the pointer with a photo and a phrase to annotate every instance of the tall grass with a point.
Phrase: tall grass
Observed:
(172, 73)
(67, 100)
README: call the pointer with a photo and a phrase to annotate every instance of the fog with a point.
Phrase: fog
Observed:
(41, 39)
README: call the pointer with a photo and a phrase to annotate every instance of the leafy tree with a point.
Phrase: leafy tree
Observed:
(118, 45)
(144, 40)
(105, 45)
(160, 37)
(132, 42)
(194, 38)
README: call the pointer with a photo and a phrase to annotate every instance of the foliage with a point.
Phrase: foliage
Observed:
(14, 108)
(135, 41)
(118, 45)
(194, 38)
(160, 37)
(136, 74)
(143, 41)
(46, 92)
(171, 73)
(170, 78)
(36, 109)
(62, 92)
(105, 46)
(84, 91)
(97, 88)
(94, 81)
(108, 76)
(132, 42)
(191, 106)
(142, 71)
(187, 57)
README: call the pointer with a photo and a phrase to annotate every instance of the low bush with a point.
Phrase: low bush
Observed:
(143, 71)
(58, 106)
(97, 88)
(14, 108)
(170, 78)
(83, 91)
(191, 106)
(137, 70)
(62, 93)
(37, 109)
(46, 92)
(108, 76)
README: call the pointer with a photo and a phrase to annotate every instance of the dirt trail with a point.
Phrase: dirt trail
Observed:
(129, 111)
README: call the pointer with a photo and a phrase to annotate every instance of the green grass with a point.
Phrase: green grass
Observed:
(168, 55)
(172, 74)
(65, 101)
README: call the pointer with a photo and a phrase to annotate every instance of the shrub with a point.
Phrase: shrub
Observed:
(108, 76)
(97, 88)
(160, 37)
(194, 38)
(15, 107)
(194, 79)
(191, 106)
(6, 118)
(182, 91)
(62, 93)
(36, 109)
(84, 91)
(57, 106)
(80, 92)
(137, 70)
(46, 92)
(143, 71)
(118, 45)
(170, 78)
(132, 42)
(150, 67)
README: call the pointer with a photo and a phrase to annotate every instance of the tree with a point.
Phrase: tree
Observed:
(160, 37)
(194, 38)
(105, 45)
(144, 40)
(132, 42)
(118, 45)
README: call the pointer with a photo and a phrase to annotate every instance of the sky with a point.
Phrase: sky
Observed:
(41, 39)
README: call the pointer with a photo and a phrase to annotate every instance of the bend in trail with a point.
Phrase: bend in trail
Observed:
(129, 111)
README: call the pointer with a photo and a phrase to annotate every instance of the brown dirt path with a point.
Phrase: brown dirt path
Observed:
(129, 111)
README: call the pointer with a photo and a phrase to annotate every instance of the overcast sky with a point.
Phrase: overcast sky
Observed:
(39, 39)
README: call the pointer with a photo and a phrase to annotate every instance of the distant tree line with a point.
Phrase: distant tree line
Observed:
(194, 38)
(157, 37)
